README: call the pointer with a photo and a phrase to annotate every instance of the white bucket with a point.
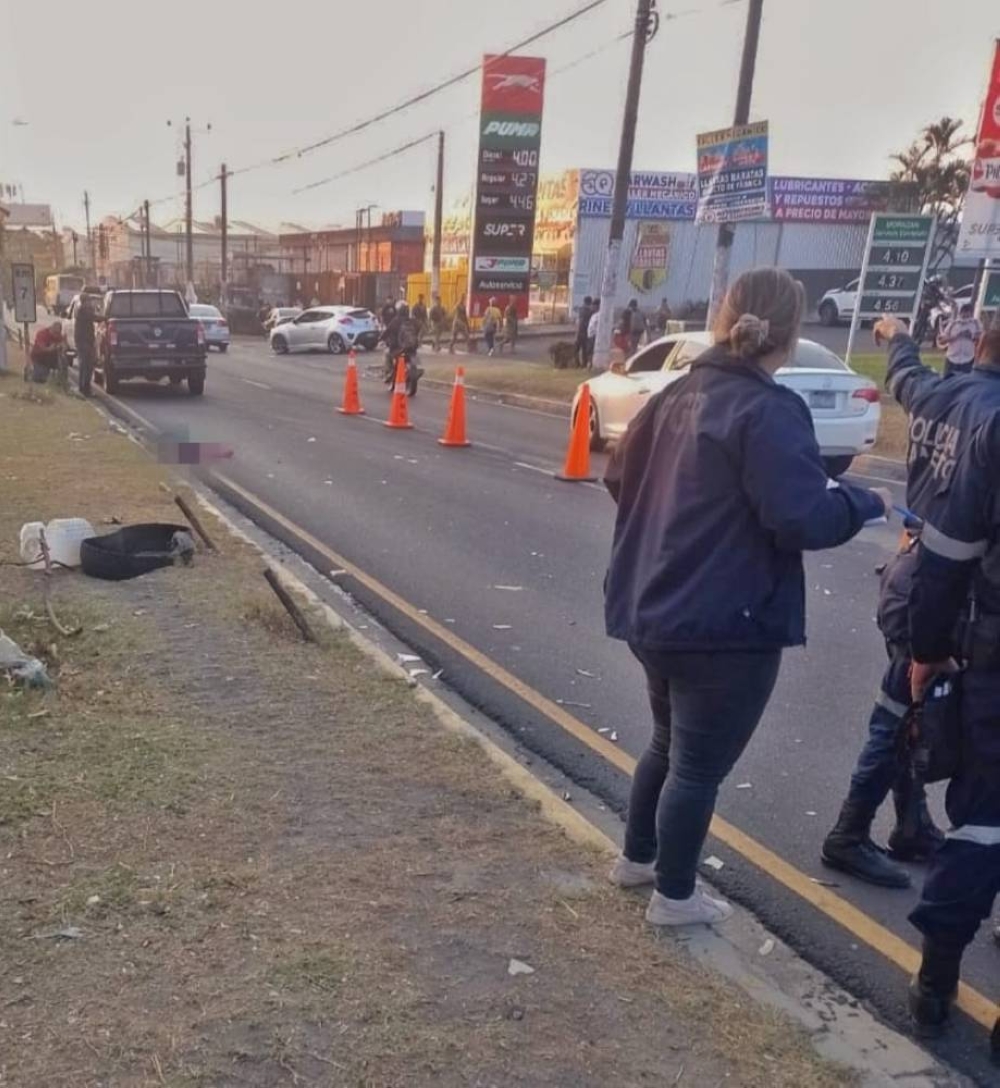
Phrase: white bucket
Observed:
(63, 536)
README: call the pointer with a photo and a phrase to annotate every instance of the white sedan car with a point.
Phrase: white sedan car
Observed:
(326, 328)
(845, 407)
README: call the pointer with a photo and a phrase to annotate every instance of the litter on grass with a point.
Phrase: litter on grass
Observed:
(519, 967)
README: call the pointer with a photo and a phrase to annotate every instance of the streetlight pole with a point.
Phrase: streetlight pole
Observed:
(438, 219)
(90, 237)
(724, 240)
(646, 25)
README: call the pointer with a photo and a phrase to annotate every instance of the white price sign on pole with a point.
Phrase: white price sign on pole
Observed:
(23, 276)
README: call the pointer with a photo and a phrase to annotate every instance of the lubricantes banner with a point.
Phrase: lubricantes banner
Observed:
(510, 135)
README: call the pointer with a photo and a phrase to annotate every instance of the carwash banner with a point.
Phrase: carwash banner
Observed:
(651, 195)
(510, 136)
(980, 232)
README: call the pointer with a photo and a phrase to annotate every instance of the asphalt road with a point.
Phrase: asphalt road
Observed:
(445, 528)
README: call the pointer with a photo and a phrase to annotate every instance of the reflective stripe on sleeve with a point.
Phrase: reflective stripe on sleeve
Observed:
(980, 835)
(949, 548)
(898, 710)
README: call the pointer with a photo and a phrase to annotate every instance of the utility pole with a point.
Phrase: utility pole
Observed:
(149, 243)
(724, 241)
(646, 25)
(223, 289)
(90, 237)
(188, 225)
(438, 219)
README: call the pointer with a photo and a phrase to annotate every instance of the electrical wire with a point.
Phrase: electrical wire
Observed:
(423, 96)
(371, 162)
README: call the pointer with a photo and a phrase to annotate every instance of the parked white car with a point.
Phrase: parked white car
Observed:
(326, 328)
(845, 407)
(837, 305)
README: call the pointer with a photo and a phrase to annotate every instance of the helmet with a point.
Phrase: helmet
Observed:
(402, 309)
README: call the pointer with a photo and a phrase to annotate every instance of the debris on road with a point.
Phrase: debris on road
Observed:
(766, 948)
(406, 659)
(579, 706)
(519, 967)
(714, 863)
(510, 589)
(589, 675)
(502, 627)
(613, 737)
(745, 786)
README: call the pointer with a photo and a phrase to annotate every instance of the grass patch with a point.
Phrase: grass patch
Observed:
(528, 379)
(319, 970)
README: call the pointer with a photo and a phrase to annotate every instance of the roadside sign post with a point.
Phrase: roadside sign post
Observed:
(897, 253)
(25, 310)
(988, 301)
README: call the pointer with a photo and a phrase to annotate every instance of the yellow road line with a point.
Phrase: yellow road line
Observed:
(855, 921)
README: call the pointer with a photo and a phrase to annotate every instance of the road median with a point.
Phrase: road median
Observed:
(233, 857)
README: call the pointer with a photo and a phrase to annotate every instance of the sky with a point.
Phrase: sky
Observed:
(842, 82)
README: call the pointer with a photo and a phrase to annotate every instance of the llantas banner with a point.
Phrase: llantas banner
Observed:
(980, 232)
(510, 135)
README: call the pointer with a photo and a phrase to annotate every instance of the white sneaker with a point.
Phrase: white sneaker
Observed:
(631, 874)
(699, 909)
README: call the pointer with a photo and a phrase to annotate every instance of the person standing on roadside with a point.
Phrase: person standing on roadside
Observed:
(460, 326)
(954, 620)
(583, 316)
(85, 341)
(491, 325)
(509, 327)
(419, 316)
(388, 313)
(661, 317)
(720, 487)
(944, 413)
(959, 339)
(437, 317)
(637, 327)
(592, 323)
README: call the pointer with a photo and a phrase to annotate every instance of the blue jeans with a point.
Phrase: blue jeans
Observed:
(882, 765)
(706, 707)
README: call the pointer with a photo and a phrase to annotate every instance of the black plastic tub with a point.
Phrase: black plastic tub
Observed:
(130, 551)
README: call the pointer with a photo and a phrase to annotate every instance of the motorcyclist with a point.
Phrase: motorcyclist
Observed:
(943, 414)
(400, 338)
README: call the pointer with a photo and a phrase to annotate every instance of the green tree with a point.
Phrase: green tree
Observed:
(932, 176)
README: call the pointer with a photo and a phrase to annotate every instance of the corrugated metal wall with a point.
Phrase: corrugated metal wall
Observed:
(834, 249)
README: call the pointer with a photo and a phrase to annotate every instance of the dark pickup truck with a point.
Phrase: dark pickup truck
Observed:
(148, 334)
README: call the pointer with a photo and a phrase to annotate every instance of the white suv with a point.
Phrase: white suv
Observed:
(838, 304)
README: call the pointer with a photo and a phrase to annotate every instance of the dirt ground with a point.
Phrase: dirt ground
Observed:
(231, 859)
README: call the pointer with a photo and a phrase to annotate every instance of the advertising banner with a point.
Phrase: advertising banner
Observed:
(510, 135)
(732, 174)
(651, 257)
(980, 232)
(650, 195)
(827, 200)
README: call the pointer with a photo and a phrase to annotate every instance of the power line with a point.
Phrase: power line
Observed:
(371, 162)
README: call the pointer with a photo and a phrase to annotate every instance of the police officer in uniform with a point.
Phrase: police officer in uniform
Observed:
(955, 618)
(943, 415)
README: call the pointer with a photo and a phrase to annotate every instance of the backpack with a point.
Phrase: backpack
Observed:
(408, 335)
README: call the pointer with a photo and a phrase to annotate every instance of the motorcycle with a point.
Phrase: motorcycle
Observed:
(937, 307)
(414, 371)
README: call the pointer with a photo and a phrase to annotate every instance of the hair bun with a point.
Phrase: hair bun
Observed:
(748, 336)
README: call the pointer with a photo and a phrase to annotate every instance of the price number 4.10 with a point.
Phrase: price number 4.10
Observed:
(894, 256)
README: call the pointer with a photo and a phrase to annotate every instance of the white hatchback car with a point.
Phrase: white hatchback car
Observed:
(837, 305)
(845, 407)
(326, 328)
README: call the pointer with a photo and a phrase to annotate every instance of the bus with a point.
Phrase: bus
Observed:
(60, 290)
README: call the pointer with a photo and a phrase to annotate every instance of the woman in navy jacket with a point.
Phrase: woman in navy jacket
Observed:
(720, 488)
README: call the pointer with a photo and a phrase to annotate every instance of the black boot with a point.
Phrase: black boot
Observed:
(915, 836)
(850, 849)
(933, 988)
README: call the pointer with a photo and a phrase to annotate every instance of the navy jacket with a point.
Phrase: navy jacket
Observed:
(720, 487)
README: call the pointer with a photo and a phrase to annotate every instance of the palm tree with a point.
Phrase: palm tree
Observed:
(933, 177)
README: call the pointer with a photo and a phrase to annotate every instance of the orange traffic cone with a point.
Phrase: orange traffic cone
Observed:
(352, 398)
(398, 415)
(577, 467)
(454, 431)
